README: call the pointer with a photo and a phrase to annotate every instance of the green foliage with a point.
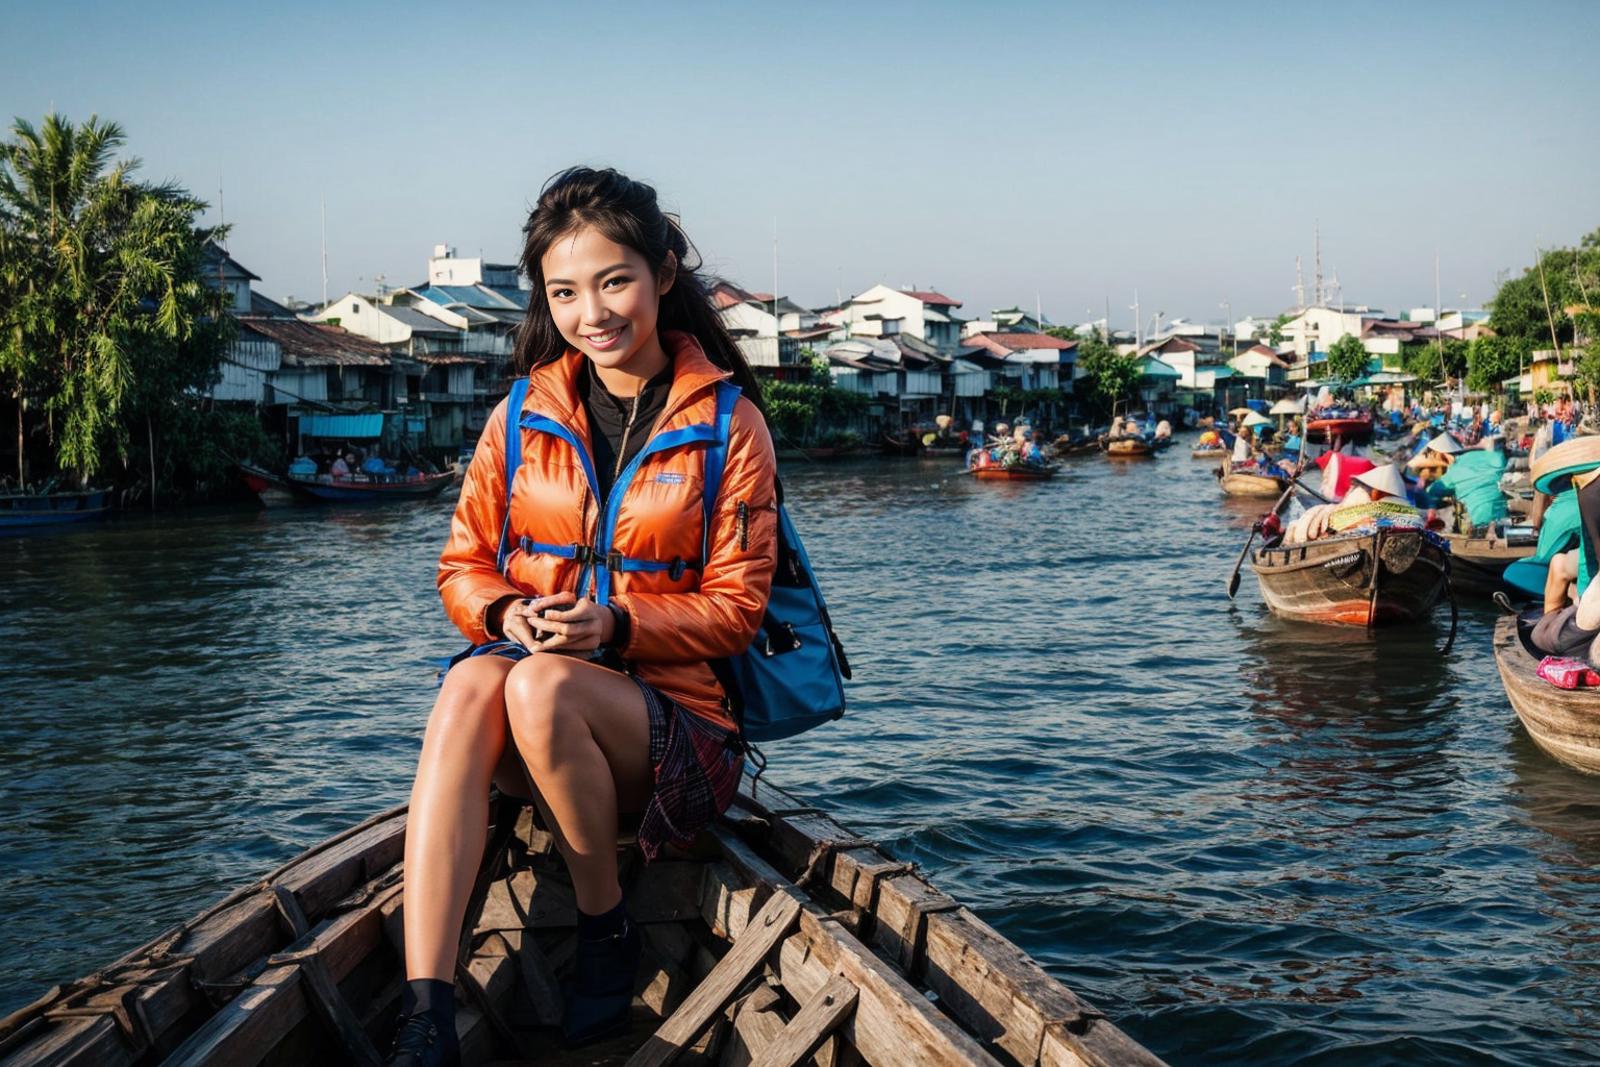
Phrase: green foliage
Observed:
(1347, 359)
(1491, 360)
(1586, 368)
(1572, 277)
(792, 409)
(1110, 377)
(1275, 335)
(1064, 333)
(1431, 362)
(102, 306)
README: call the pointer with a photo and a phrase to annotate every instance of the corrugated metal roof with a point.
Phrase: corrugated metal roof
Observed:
(420, 322)
(312, 344)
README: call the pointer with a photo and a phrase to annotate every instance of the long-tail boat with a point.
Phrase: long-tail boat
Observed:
(1563, 722)
(359, 489)
(1209, 453)
(1359, 579)
(780, 935)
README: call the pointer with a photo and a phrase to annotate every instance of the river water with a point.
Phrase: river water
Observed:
(1246, 840)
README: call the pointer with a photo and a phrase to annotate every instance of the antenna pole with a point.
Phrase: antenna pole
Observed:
(1318, 295)
(324, 250)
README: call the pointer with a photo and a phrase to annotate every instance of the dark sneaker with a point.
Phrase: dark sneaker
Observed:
(420, 1043)
(602, 987)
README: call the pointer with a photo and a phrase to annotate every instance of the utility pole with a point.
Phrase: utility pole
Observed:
(1318, 294)
(1138, 325)
(1299, 286)
(1227, 322)
(324, 251)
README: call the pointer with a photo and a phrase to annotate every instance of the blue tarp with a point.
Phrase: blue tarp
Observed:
(350, 427)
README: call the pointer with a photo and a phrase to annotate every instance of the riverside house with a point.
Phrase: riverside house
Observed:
(771, 332)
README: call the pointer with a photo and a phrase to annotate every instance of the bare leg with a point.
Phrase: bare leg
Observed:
(1558, 579)
(448, 822)
(584, 734)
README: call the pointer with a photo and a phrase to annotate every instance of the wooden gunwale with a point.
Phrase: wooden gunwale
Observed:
(1340, 580)
(1477, 563)
(1565, 723)
(303, 966)
(1014, 474)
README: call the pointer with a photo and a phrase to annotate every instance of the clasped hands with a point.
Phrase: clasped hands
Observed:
(567, 624)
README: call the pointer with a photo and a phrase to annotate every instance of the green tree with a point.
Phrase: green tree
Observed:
(1571, 277)
(102, 284)
(1431, 362)
(1064, 333)
(1493, 359)
(1347, 359)
(1110, 377)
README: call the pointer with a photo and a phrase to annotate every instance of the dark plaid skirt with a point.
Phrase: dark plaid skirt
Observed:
(696, 762)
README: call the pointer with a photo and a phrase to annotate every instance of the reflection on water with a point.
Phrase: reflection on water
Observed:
(1248, 840)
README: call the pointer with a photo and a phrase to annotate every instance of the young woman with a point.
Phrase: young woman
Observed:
(587, 687)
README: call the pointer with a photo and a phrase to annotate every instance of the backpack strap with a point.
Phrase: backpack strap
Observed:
(717, 459)
(513, 452)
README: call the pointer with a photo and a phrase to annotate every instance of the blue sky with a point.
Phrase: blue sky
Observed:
(1077, 152)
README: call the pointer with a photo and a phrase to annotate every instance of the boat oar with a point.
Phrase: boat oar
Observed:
(1233, 579)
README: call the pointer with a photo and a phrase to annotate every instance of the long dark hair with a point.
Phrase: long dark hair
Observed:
(626, 212)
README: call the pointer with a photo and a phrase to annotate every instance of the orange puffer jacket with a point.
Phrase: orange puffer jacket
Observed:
(681, 616)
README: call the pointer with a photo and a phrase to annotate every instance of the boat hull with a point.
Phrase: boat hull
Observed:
(276, 489)
(1358, 430)
(1207, 453)
(1235, 484)
(305, 966)
(1563, 722)
(1129, 448)
(1377, 579)
(21, 512)
(1477, 564)
(1013, 474)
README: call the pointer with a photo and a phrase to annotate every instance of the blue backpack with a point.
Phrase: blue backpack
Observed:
(791, 678)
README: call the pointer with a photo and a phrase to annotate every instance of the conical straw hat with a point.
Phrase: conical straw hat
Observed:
(1256, 419)
(1552, 470)
(1446, 444)
(1242, 411)
(1385, 479)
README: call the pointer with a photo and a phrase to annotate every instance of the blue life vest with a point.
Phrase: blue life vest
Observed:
(791, 678)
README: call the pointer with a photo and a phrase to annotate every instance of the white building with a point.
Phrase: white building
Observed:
(446, 268)
(922, 313)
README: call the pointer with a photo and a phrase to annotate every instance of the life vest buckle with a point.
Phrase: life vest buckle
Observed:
(583, 554)
(614, 561)
(679, 565)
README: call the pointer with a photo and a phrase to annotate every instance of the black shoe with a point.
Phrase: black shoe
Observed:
(420, 1043)
(602, 987)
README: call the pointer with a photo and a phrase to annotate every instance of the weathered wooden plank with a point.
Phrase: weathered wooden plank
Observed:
(1008, 999)
(727, 901)
(322, 992)
(763, 933)
(327, 876)
(756, 1025)
(90, 1041)
(813, 1023)
(893, 1024)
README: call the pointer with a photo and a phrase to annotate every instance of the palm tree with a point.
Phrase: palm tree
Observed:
(95, 268)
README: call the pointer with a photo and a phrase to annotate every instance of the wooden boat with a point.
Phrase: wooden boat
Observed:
(1067, 445)
(1563, 722)
(28, 511)
(778, 935)
(354, 490)
(1022, 472)
(909, 445)
(1363, 579)
(1208, 453)
(1243, 483)
(1128, 448)
(1342, 426)
(1476, 563)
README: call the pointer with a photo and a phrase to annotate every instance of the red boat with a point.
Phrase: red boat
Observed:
(1340, 426)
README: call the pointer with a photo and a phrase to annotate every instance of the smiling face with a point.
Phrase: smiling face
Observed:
(605, 300)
